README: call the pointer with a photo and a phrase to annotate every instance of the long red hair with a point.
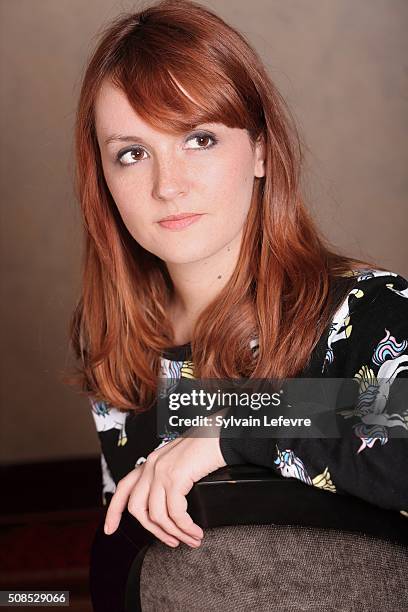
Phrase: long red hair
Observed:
(285, 286)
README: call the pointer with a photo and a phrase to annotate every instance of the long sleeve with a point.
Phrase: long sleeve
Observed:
(110, 425)
(368, 342)
(126, 439)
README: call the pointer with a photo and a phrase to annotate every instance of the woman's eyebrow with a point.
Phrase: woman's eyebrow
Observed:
(120, 138)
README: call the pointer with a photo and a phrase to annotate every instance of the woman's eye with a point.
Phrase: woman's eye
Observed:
(203, 140)
(131, 156)
(135, 154)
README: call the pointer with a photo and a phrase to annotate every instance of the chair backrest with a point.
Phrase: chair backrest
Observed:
(253, 495)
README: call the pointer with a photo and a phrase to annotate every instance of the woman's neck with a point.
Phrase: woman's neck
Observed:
(196, 284)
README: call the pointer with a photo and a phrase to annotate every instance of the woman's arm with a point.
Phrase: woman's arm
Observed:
(369, 459)
(126, 438)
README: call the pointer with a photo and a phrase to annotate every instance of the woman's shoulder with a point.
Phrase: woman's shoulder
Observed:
(374, 289)
(371, 324)
(374, 277)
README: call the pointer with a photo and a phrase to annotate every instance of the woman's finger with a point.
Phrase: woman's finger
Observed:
(158, 513)
(120, 499)
(138, 507)
(142, 515)
(177, 508)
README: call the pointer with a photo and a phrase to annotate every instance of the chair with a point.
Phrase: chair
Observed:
(276, 544)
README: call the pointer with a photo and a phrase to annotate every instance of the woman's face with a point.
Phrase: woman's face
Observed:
(151, 174)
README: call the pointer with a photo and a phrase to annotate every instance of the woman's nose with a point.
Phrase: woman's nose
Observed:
(170, 180)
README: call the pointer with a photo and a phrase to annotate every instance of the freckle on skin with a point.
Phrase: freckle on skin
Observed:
(219, 276)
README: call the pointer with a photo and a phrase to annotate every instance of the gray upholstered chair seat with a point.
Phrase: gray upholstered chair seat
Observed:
(283, 568)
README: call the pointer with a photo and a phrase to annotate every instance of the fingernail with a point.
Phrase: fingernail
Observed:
(106, 529)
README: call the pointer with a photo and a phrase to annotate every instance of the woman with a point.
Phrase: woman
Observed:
(177, 116)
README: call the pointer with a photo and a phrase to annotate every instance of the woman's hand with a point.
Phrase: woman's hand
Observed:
(155, 491)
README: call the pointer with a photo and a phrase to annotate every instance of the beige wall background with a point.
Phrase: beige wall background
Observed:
(341, 65)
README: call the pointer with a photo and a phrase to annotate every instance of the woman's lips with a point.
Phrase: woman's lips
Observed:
(178, 224)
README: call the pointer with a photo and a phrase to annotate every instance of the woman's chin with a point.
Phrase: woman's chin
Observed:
(186, 256)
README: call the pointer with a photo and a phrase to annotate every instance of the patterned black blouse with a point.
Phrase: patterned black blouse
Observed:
(367, 340)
